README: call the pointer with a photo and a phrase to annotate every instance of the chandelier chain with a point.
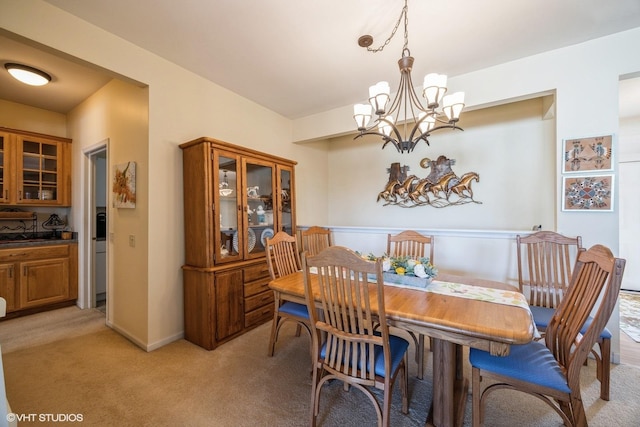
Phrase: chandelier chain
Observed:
(406, 121)
(395, 28)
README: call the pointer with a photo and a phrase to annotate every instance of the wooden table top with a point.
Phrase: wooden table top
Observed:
(482, 324)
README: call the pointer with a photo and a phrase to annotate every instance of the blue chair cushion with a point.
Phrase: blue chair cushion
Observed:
(532, 362)
(542, 316)
(294, 309)
(398, 347)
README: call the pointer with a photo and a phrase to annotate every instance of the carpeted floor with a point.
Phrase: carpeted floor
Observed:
(630, 314)
(109, 381)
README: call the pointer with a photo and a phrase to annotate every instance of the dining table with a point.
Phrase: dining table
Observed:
(454, 311)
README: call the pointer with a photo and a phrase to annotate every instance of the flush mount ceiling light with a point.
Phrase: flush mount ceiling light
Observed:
(28, 75)
(406, 111)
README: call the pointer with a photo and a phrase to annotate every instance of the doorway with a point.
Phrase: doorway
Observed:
(96, 242)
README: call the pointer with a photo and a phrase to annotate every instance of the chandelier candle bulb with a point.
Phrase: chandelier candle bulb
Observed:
(427, 122)
(379, 96)
(452, 105)
(362, 115)
(385, 127)
(434, 88)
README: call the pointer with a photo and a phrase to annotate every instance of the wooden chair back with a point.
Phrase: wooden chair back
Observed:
(346, 314)
(545, 265)
(596, 281)
(411, 243)
(597, 277)
(282, 253)
(315, 239)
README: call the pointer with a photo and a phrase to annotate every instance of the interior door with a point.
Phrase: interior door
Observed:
(629, 224)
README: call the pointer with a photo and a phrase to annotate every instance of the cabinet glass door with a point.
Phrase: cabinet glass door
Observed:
(39, 171)
(4, 188)
(285, 198)
(228, 238)
(259, 206)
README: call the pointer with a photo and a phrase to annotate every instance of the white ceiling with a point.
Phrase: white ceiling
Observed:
(299, 57)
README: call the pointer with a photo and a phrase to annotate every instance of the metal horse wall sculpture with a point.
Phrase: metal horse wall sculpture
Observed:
(441, 188)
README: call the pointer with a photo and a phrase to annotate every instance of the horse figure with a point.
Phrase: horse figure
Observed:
(465, 184)
(442, 185)
(421, 189)
(403, 189)
(389, 191)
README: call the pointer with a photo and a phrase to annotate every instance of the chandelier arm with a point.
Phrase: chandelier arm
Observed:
(385, 138)
(428, 133)
(450, 126)
(422, 136)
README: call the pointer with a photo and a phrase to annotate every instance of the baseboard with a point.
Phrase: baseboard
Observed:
(146, 347)
(165, 341)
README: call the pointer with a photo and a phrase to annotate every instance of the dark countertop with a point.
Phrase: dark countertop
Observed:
(46, 241)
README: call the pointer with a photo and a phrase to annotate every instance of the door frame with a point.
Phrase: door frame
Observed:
(86, 293)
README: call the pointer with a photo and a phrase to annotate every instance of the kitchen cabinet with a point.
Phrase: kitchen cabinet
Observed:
(35, 169)
(234, 199)
(37, 277)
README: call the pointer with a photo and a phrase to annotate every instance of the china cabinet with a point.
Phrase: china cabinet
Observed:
(35, 169)
(234, 199)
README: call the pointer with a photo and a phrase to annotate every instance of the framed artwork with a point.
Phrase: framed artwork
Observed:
(588, 193)
(588, 154)
(124, 185)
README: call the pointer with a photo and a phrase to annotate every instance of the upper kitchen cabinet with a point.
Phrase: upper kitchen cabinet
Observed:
(35, 169)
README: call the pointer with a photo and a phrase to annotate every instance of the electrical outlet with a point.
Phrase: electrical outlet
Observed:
(132, 240)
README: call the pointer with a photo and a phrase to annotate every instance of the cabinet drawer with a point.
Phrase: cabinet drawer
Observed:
(259, 300)
(31, 253)
(257, 271)
(256, 287)
(258, 316)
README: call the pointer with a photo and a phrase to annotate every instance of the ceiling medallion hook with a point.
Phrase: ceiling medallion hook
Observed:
(406, 109)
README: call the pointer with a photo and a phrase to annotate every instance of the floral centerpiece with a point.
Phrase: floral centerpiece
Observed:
(406, 270)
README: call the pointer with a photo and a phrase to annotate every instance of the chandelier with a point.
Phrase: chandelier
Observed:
(407, 121)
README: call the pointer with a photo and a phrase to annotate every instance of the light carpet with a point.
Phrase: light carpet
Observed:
(110, 381)
(630, 314)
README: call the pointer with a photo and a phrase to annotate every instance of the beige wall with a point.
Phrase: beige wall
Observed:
(117, 112)
(182, 106)
(511, 147)
(18, 116)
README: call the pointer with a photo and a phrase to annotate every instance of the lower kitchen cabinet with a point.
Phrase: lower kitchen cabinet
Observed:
(39, 277)
(222, 303)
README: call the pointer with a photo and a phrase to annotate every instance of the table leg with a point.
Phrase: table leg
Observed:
(449, 385)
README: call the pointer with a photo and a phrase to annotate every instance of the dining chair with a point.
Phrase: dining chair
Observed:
(413, 244)
(283, 258)
(550, 369)
(314, 239)
(347, 346)
(545, 263)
